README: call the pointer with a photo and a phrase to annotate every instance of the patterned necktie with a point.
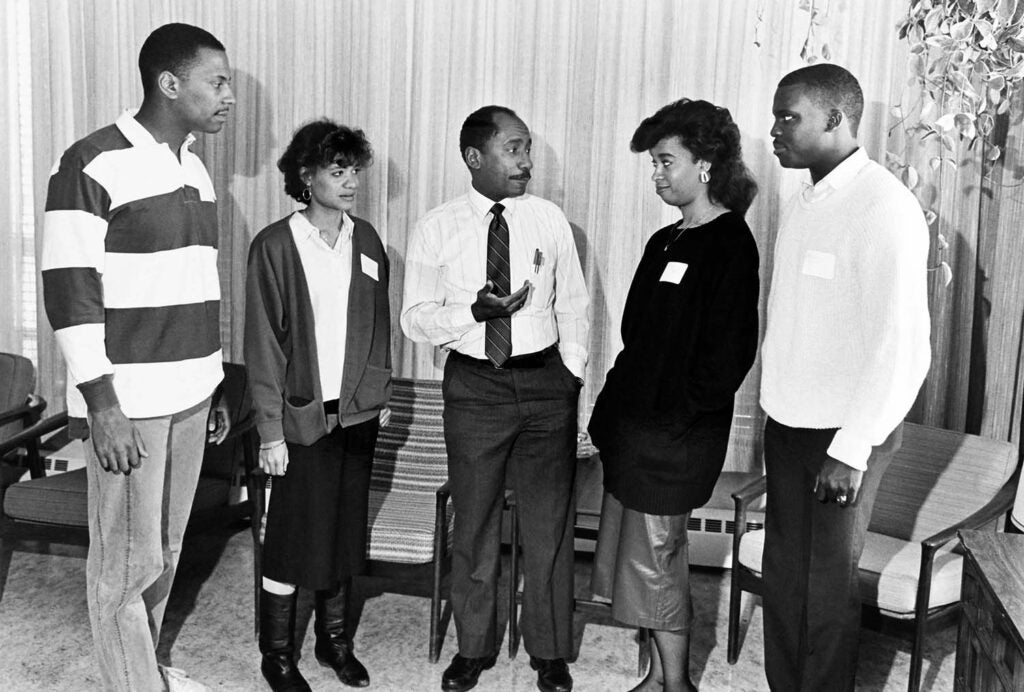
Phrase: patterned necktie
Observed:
(498, 331)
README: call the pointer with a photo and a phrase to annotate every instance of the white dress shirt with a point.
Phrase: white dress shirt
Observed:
(447, 264)
(328, 273)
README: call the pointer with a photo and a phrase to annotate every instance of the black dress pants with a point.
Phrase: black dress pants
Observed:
(520, 425)
(811, 599)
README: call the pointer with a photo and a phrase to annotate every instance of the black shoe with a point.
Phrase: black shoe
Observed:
(463, 672)
(333, 645)
(552, 674)
(277, 643)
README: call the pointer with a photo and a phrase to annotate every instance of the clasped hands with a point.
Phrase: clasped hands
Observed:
(489, 305)
(837, 482)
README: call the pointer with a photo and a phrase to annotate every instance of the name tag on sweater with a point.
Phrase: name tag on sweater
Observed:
(819, 264)
(369, 267)
(673, 273)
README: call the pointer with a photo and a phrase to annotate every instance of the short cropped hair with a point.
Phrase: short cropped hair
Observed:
(480, 127)
(830, 86)
(172, 48)
(710, 134)
(317, 145)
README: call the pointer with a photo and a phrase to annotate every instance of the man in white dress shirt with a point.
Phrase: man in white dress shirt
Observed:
(515, 365)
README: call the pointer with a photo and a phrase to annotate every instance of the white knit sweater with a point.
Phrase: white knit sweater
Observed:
(847, 343)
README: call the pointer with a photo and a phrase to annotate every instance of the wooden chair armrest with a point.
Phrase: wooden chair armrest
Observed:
(443, 493)
(750, 492)
(742, 498)
(28, 412)
(993, 509)
(32, 434)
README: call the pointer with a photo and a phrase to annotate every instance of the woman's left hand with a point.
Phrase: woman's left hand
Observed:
(385, 416)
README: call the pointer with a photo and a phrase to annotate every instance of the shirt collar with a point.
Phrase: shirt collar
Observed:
(482, 205)
(838, 177)
(308, 231)
(139, 136)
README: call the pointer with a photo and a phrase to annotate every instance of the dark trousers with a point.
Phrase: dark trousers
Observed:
(811, 550)
(514, 426)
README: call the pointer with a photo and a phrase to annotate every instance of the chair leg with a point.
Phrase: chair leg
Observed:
(917, 653)
(924, 588)
(513, 586)
(735, 598)
(643, 652)
(257, 490)
(440, 549)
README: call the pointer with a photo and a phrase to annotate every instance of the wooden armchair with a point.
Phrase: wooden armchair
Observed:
(20, 408)
(938, 483)
(45, 510)
(410, 520)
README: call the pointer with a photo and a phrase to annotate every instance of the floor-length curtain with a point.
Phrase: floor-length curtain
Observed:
(581, 73)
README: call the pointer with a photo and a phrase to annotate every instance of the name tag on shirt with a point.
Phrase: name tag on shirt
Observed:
(673, 273)
(819, 264)
(369, 267)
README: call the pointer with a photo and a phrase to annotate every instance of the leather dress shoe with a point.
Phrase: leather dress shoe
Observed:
(552, 674)
(463, 672)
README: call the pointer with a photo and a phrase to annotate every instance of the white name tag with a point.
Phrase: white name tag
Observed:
(673, 273)
(819, 264)
(369, 267)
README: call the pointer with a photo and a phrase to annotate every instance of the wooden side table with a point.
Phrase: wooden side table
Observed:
(990, 648)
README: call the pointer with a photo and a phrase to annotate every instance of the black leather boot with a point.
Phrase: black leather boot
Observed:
(277, 643)
(333, 645)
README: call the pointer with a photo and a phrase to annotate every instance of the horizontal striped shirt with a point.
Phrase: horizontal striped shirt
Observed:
(447, 264)
(129, 265)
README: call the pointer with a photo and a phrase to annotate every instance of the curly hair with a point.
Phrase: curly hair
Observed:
(710, 134)
(317, 145)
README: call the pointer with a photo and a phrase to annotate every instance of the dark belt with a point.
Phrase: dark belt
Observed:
(526, 361)
(331, 407)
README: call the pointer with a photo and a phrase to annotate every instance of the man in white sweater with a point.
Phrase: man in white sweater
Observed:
(845, 352)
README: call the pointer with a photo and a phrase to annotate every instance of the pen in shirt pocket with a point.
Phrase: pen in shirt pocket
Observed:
(538, 260)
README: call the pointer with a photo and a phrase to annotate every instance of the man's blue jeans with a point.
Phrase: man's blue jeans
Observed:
(136, 524)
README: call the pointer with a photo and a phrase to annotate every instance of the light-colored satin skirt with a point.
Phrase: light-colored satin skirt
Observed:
(642, 564)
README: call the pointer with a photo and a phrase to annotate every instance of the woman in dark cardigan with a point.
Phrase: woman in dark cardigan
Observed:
(662, 420)
(317, 348)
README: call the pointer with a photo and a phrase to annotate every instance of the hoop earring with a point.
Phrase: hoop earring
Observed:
(306, 195)
(704, 176)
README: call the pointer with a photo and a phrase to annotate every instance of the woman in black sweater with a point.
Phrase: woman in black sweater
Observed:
(662, 420)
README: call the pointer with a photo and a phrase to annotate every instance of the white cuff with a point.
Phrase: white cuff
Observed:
(850, 449)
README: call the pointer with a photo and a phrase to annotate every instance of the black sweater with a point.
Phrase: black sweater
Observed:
(662, 420)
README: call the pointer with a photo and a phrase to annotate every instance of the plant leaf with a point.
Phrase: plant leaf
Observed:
(911, 177)
(946, 122)
(946, 273)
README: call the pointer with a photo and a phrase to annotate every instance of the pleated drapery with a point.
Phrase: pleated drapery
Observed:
(581, 73)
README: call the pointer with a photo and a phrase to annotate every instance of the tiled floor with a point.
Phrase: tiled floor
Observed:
(45, 641)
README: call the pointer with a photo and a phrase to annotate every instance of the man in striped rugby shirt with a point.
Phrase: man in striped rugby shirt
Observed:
(129, 265)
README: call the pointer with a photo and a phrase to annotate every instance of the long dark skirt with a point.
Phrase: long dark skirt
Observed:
(316, 518)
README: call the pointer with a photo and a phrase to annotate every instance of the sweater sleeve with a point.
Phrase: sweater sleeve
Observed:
(728, 345)
(894, 305)
(73, 252)
(265, 331)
